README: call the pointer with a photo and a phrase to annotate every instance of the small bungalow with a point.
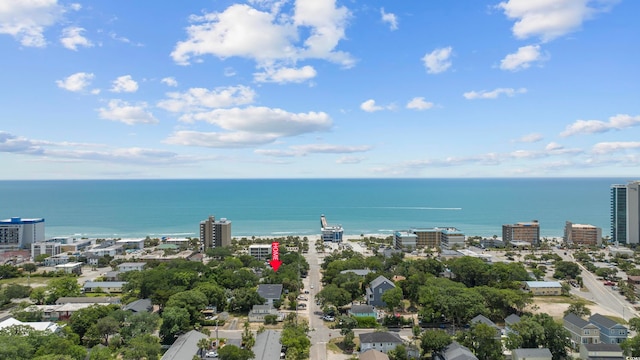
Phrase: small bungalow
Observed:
(139, 306)
(362, 311)
(601, 351)
(380, 340)
(509, 322)
(103, 286)
(258, 313)
(131, 266)
(455, 351)
(70, 268)
(35, 325)
(481, 319)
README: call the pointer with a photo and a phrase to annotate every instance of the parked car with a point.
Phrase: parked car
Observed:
(328, 318)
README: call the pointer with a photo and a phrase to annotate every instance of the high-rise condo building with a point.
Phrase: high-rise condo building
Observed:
(17, 233)
(625, 213)
(582, 234)
(215, 233)
(522, 231)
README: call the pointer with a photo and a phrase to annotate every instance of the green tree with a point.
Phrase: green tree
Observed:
(434, 341)
(566, 269)
(631, 346)
(634, 324)
(174, 321)
(399, 353)
(347, 340)
(232, 352)
(393, 298)
(61, 287)
(332, 294)
(578, 308)
(83, 319)
(145, 346)
(243, 300)
(192, 300)
(100, 352)
(540, 330)
(30, 267)
(38, 295)
(482, 340)
(248, 340)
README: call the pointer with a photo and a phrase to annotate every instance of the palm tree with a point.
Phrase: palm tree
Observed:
(203, 346)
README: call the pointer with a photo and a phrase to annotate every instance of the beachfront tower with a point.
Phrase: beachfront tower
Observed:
(17, 233)
(625, 213)
(215, 233)
(522, 231)
(582, 234)
(331, 233)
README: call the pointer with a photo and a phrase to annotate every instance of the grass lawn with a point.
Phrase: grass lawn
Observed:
(34, 280)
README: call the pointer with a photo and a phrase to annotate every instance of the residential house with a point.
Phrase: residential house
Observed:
(481, 319)
(70, 268)
(543, 287)
(362, 311)
(139, 306)
(455, 351)
(185, 347)
(131, 266)
(373, 355)
(35, 325)
(87, 300)
(258, 312)
(601, 351)
(611, 332)
(582, 331)
(376, 288)
(112, 275)
(103, 286)
(267, 345)
(509, 322)
(531, 354)
(380, 340)
(359, 272)
(270, 292)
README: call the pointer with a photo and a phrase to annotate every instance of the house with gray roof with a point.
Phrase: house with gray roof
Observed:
(267, 346)
(531, 354)
(380, 340)
(270, 292)
(258, 312)
(581, 331)
(185, 346)
(138, 306)
(481, 319)
(373, 355)
(359, 272)
(362, 311)
(103, 286)
(601, 352)
(455, 351)
(611, 332)
(509, 322)
(376, 288)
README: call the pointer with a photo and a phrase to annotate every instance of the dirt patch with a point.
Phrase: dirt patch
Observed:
(555, 306)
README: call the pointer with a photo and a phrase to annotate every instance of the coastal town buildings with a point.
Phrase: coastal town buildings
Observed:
(215, 233)
(420, 238)
(582, 234)
(625, 213)
(331, 233)
(260, 251)
(405, 240)
(17, 233)
(427, 237)
(522, 231)
(451, 238)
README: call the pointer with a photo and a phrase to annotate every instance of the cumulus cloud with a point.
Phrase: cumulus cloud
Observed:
(550, 19)
(522, 59)
(122, 111)
(72, 38)
(370, 106)
(286, 75)
(76, 82)
(530, 138)
(268, 36)
(240, 139)
(349, 160)
(200, 99)
(390, 19)
(169, 81)
(617, 122)
(26, 20)
(609, 147)
(493, 94)
(438, 61)
(419, 103)
(124, 83)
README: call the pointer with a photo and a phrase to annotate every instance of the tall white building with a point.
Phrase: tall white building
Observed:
(17, 233)
(625, 213)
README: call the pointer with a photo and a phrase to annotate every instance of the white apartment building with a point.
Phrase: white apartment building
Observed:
(17, 233)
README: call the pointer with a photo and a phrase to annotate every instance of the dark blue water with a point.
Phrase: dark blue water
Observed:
(131, 208)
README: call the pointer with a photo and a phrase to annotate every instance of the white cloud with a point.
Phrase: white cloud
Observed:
(124, 84)
(238, 139)
(264, 120)
(169, 81)
(200, 99)
(75, 6)
(493, 94)
(549, 19)
(609, 147)
(268, 37)
(304, 150)
(72, 38)
(522, 59)
(530, 138)
(26, 20)
(76, 82)
(438, 61)
(370, 106)
(348, 160)
(552, 146)
(229, 71)
(286, 75)
(418, 103)
(617, 122)
(390, 19)
(124, 112)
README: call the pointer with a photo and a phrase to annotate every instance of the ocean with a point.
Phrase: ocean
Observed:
(281, 207)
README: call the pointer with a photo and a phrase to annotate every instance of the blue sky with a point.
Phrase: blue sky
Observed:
(319, 89)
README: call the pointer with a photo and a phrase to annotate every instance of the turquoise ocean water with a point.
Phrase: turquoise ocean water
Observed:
(137, 208)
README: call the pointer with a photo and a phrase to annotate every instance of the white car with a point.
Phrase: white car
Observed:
(211, 355)
(311, 286)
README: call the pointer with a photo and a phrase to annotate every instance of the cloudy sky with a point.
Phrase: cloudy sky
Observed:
(319, 88)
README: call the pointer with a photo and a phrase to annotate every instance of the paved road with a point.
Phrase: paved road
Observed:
(320, 332)
(602, 295)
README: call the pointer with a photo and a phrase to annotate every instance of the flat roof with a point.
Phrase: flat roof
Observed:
(541, 284)
(69, 265)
